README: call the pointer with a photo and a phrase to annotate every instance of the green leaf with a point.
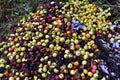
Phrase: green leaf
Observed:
(101, 1)
(117, 21)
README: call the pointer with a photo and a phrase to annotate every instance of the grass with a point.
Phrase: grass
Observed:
(11, 11)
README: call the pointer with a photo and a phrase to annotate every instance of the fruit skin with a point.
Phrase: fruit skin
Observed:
(56, 70)
(90, 74)
(58, 38)
(70, 65)
(56, 77)
(72, 72)
(10, 49)
(11, 78)
(84, 62)
(1, 75)
(76, 63)
(93, 71)
(62, 39)
(78, 53)
(61, 76)
(94, 67)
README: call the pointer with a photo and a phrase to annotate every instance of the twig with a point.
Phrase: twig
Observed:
(107, 2)
(113, 6)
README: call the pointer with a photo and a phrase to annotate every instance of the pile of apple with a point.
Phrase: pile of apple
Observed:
(61, 41)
